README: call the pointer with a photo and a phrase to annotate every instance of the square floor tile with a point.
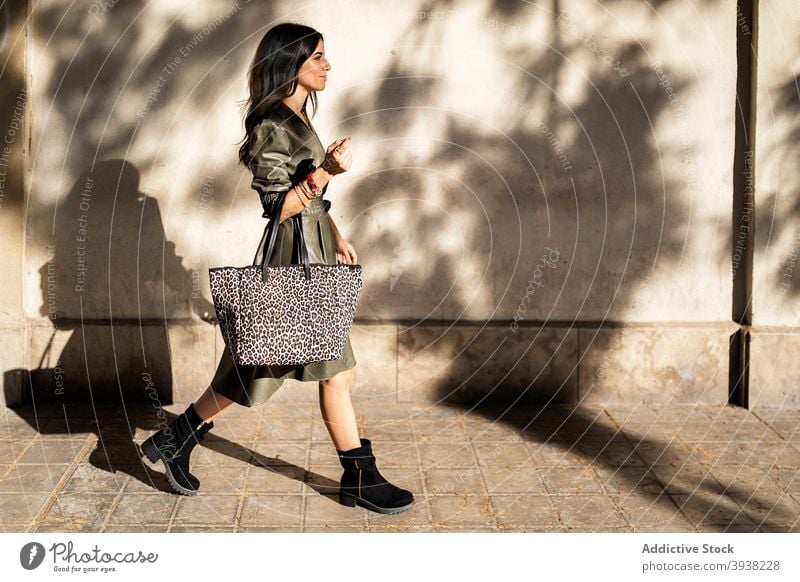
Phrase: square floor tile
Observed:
(279, 453)
(552, 455)
(272, 510)
(709, 509)
(324, 480)
(323, 453)
(32, 478)
(462, 510)
(216, 451)
(486, 431)
(51, 452)
(592, 511)
(236, 430)
(650, 510)
(503, 480)
(395, 454)
(89, 479)
(275, 479)
(665, 453)
(207, 509)
(686, 479)
(504, 455)
(290, 429)
(326, 510)
(614, 454)
(389, 429)
(533, 511)
(787, 478)
(416, 515)
(441, 431)
(467, 480)
(21, 507)
(79, 512)
(629, 480)
(129, 528)
(222, 479)
(578, 481)
(11, 449)
(143, 509)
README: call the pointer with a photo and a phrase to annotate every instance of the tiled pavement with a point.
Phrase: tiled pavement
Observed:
(273, 468)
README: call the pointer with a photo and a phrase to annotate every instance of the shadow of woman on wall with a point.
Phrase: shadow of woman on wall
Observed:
(111, 283)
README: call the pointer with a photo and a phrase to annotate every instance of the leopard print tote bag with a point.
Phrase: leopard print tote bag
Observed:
(285, 314)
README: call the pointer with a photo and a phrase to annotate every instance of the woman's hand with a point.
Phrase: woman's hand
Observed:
(345, 253)
(338, 157)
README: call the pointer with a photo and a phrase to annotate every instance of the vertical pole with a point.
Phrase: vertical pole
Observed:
(743, 227)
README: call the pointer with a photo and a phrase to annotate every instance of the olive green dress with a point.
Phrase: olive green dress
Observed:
(283, 146)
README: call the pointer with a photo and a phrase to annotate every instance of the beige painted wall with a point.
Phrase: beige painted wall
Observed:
(459, 120)
(14, 108)
(777, 261)
(776, 307)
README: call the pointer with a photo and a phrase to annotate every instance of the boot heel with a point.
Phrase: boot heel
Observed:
(150, 450)
(347, 499)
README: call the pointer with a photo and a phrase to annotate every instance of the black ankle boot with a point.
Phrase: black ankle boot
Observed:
(173, 444)
(363, 484)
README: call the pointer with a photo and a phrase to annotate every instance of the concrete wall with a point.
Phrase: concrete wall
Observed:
(776, 307)
(540, 198)
(14, 126)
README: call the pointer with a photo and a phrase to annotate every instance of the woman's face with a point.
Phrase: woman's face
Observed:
(312, 73)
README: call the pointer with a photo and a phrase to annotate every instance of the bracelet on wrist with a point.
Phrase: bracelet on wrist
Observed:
(312, 184)
(304, 189)
(300, 198)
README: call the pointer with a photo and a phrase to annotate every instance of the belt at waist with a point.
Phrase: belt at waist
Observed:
(314, 233)
(316, 208)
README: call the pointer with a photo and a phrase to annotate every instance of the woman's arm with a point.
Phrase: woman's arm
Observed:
(336, 234)
(337, 160)
(345, 252)
(293, 204)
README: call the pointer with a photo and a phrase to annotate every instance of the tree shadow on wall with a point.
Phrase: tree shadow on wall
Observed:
(113, 280)
(110, 265)
(587, 218)
(132, 273)
(778, 213)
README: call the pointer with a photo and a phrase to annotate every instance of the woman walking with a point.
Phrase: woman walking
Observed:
(287, 158)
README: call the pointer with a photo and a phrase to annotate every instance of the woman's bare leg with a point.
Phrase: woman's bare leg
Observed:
(337, 410)
(211, 403)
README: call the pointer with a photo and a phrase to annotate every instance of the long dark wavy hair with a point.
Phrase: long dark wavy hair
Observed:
(273, 73)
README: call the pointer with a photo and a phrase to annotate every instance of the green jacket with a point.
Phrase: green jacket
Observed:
(283, 148)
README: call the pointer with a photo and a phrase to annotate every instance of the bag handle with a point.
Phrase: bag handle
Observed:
(298, 236)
